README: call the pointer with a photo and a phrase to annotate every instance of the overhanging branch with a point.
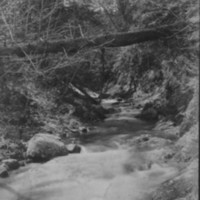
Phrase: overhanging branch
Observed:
(73, 46)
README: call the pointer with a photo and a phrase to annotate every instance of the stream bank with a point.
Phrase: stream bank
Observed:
(120, 160)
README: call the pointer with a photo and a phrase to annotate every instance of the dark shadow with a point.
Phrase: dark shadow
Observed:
(108, 129)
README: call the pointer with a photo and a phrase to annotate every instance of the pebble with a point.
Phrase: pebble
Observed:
(73, 148)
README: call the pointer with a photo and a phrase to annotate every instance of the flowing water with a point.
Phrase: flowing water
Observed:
(108, 168)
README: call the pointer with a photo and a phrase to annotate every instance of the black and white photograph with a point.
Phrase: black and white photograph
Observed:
(99, 99)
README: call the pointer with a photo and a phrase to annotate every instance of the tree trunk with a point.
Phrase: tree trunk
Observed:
(72, 46)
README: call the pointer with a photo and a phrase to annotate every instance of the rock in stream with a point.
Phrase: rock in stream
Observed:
(43, 147)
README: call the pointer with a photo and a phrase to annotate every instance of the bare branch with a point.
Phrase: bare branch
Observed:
(73, 46)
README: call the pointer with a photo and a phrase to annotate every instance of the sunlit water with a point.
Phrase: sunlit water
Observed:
(109, 167)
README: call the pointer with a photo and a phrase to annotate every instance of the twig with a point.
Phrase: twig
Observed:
(7, 25)
(108, 14)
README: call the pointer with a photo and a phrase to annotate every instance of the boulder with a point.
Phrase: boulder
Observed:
(43, 147)
(22, 163)
(149, 114)
(73, 148)
(11, 164)
(3, 171)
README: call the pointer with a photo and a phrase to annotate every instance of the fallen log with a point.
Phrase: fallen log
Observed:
(73, 46)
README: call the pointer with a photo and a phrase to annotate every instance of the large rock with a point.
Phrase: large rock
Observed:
(11, 164)
(149, 112)
(3, 171)
(43, 147)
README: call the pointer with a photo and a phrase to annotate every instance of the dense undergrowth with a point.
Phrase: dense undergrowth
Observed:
(46, 92)
(41, 93)
(163, 68)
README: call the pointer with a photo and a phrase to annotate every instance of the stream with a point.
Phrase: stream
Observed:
(110, 167)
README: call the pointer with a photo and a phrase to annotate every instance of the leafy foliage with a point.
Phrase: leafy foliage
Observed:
(166, 65)
(37, 88)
